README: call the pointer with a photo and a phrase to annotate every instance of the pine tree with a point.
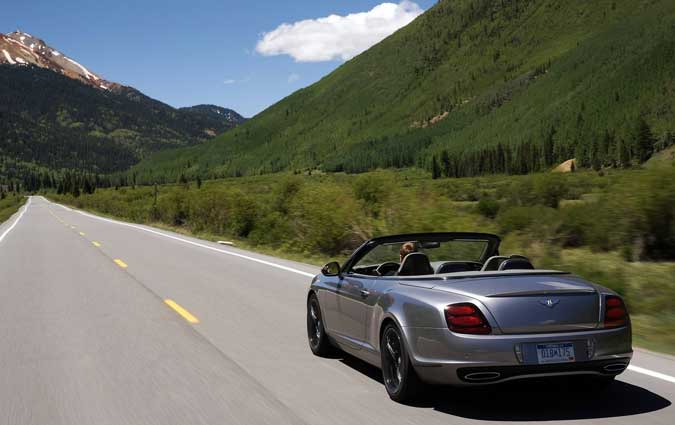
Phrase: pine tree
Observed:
(183, 180)
(445, 163)
(644, 143)
(623, 154)
(547, 149)
(607, 147)
(435, 168)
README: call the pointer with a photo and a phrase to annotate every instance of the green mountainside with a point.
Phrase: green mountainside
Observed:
(470, 87)
(51, 122)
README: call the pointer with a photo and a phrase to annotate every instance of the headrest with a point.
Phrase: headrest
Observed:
(516, 264)
(454, 267)
(415, 264)
(493, 263)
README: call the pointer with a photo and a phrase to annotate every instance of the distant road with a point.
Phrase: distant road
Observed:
(103, 322)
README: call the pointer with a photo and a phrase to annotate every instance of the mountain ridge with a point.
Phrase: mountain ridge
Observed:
(57, 114)
(466, 76)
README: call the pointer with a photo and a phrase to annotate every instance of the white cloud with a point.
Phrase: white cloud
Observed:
(233, 81)
(293, 77)
(337, 37)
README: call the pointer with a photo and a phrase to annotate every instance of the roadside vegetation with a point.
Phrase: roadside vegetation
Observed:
(615, 227)
(9, 204)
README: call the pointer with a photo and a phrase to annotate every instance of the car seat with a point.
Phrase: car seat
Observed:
(454, 267)
(492, 264)
(415, 264)
(516, 263)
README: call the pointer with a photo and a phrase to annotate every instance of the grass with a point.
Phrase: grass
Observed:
(615, 228)
(9, 205)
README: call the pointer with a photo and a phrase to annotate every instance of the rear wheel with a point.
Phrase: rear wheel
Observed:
(316, 333)
(400, 380)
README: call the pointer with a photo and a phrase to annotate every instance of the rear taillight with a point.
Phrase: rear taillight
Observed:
(465, 318)
(615, 312)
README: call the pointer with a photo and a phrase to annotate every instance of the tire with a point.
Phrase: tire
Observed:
(319, 342)
(400, 380)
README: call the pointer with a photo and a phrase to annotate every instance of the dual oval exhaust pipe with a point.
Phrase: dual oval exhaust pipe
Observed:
(615, 367)
(482, 376)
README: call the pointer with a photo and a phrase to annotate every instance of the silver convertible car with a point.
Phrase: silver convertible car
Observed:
(446, 308)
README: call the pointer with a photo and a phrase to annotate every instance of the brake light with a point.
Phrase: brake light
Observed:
(615, 312)
(465, 318)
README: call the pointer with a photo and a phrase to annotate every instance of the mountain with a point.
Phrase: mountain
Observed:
(55, 113)
(21, 48)
(215, 115)
(479, 85)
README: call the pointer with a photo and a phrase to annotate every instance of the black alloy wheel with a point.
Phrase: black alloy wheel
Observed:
(319, 342)
(400, 380)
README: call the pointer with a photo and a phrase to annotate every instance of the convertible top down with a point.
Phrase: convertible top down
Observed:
(447, 308)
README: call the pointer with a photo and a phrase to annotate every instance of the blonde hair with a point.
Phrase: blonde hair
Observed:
(407, 248)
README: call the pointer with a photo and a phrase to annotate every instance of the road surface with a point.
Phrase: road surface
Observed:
(103, 322)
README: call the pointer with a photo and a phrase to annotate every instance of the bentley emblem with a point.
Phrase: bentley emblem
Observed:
(549, 303)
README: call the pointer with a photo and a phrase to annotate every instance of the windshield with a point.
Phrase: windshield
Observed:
(455, 250)
(385, 258)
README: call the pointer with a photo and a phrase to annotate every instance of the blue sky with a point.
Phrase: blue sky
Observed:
(206, 51)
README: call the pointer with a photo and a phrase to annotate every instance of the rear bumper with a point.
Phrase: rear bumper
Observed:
(442, 357)
(486, 375)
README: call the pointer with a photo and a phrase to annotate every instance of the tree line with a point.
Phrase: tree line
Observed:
(607, 150)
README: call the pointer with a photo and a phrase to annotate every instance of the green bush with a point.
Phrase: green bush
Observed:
(537, 219)
(325, 219)
(637, 218)
(488, 207)
(541, 189)
(374, 190)
(9, 204)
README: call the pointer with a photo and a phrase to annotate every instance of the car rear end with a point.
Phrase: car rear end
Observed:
(516, 326)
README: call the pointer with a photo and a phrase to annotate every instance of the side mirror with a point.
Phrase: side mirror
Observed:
(331, 269)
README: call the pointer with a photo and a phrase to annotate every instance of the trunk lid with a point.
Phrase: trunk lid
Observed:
(533, 303)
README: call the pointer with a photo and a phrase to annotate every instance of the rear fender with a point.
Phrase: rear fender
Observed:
(411, 307)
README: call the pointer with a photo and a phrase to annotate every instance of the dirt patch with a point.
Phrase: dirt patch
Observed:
(568, 166)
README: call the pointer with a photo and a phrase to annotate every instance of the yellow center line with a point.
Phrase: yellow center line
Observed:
(180, 310)
(96, 244)
(82, 234)
(121, 263)
(72, 227)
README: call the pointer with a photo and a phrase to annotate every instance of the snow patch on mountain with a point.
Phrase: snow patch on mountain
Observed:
(24, 49)
(8, 57)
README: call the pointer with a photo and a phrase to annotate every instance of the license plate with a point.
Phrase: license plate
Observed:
(555, 353)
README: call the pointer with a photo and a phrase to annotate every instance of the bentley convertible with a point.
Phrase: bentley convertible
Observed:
(447, 308)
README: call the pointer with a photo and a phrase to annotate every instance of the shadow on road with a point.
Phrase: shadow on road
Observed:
(532, 400)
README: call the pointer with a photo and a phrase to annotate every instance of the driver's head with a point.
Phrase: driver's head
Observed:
(406, 249)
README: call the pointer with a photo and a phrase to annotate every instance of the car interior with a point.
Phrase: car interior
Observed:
(419, 264)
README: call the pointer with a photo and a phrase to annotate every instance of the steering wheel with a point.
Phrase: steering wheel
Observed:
(385, 268)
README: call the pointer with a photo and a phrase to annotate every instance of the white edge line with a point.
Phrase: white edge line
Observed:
(246, 257)
(9, 229)
(652, 373)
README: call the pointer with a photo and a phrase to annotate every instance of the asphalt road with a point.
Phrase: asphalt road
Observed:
(103, 322)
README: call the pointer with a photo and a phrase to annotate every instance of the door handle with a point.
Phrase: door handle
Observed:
(365, 293)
